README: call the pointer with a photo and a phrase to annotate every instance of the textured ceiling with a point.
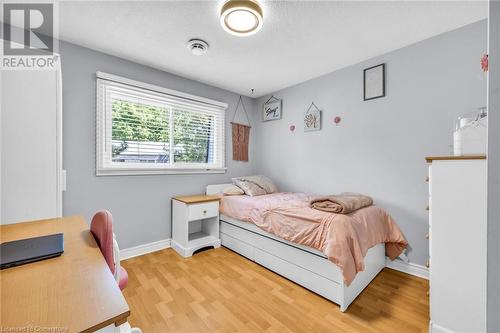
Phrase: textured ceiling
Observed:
(300, 40)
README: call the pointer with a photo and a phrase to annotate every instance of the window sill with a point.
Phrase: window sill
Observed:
(144, 172)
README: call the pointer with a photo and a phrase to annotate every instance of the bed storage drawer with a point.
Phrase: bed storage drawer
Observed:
(324, 287)
(313, 263)
(237, 246)
(287, 252)
(238, 233)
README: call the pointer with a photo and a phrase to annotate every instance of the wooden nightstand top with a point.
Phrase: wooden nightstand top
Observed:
(199, 198)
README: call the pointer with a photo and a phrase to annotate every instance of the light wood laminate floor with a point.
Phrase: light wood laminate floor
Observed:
(221, 291)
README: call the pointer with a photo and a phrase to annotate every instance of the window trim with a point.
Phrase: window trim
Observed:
(102, 170)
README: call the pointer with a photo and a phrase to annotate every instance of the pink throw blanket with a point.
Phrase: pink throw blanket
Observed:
(343, 238)
(344, 203)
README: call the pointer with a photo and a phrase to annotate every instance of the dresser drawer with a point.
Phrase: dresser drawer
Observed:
(203, 210)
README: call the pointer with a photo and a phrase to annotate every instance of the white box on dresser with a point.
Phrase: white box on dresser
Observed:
(457, 247)
(195, 223)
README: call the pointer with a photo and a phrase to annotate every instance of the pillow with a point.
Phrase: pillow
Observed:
(250, 188)
(232, 190)
(262, 181)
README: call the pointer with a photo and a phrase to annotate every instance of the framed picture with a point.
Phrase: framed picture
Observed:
(271, 110)
(312, 120)
(374, 82)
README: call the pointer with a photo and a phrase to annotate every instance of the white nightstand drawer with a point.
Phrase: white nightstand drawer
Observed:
(203, 210)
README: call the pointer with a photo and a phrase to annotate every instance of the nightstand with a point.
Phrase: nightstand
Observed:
(195, 223)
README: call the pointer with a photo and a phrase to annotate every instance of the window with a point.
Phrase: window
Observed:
(144, 129)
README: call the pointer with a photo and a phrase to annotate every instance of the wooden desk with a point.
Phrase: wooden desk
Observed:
(75, 292)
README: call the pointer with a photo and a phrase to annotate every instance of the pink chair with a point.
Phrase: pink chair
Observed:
(102, 229)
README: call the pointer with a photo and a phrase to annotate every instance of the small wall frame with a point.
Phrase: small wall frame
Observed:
(272, 109)
(374, 82)
(312, 119)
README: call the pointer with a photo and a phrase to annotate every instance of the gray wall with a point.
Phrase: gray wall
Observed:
(380, 145)
(140, 204)
(493, 277)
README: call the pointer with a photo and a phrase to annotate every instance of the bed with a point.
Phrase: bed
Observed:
(302, 264)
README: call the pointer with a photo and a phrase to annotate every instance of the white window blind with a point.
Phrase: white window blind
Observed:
(143, 129)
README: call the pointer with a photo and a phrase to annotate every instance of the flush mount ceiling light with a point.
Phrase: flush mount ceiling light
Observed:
(197, 46)
(241, 17)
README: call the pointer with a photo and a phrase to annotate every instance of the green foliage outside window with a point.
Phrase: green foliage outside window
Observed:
(146, 123)
(139, 122)
(192, 137)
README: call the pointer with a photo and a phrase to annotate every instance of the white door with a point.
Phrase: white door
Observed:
(31, 163)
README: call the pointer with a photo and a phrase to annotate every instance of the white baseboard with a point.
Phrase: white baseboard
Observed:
(139, 250)
(433, 328)
(408, 268)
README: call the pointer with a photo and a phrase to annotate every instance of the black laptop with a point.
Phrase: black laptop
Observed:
(28, 250)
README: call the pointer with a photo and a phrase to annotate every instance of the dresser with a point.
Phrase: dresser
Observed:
(457, 243)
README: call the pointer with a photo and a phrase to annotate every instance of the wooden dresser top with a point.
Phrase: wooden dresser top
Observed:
(429, 159)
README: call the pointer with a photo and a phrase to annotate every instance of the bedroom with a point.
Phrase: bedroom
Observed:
(142, 107)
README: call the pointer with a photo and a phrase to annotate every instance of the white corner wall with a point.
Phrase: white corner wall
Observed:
(493, 277)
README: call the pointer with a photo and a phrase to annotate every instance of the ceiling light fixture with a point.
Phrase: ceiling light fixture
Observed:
(197, 46)
(241, 17)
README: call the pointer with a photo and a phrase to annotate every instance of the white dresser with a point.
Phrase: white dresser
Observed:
(457, 247)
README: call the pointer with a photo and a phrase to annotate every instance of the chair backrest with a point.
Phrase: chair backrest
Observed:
(102, 229)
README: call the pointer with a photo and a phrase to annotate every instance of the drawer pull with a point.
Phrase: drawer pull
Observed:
(428, 264)
(427, 179)
(205, 211)
(427, 208)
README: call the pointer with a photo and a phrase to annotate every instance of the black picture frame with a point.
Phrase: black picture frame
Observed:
(383, 82)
